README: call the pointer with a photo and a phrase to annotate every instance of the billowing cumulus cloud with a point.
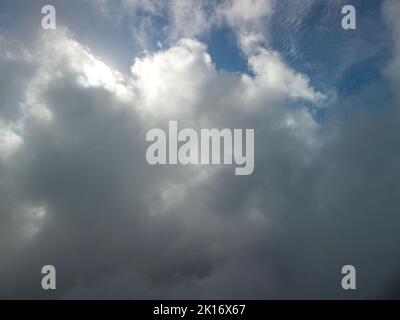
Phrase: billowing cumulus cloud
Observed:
(76, 190)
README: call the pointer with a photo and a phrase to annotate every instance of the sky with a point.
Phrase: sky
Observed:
(77, 193)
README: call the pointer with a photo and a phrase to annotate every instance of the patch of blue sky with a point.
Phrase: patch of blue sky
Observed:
(350, 62)
(360, 74)
(224, 51)
(319, 47)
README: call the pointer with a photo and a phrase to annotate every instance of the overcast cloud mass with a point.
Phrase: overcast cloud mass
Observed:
(76, 191)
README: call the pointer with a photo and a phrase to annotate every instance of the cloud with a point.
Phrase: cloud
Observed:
(390, 10)
(83, 126)
(174, 82)
(76, 191)
(186, 19)
(249, 15)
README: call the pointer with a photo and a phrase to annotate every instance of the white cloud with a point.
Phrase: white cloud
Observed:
(273, 75)
(190, 18)
(247, 15)
(180, 80)
(9, 141)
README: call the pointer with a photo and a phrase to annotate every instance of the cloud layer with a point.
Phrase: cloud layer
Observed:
(76, 191)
